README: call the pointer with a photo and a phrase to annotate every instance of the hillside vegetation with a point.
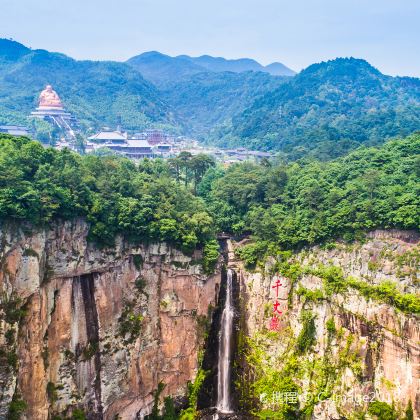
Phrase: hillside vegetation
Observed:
(39, 185)
(285, 206)
(325, 111)
(206, 101)
(97, 93)
(328, 109)
(288, 206)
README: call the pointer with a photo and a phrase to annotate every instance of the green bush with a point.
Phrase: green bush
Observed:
(130, 323)
(251, 253)
(382, 411)
(78, 414)
(52, 392)
(306, 338)
(409, 413)
(330, 324)
(17, 408)
(210, 256)
(310, 295)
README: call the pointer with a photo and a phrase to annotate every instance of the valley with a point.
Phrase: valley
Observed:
(187, 236)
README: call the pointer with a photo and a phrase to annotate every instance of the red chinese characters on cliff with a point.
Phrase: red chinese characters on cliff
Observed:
(274, 324)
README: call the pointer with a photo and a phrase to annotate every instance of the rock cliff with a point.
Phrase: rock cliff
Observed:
(345, 340)
(93, 330)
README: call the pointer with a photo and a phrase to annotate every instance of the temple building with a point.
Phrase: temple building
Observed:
(51, 109)
(107, 136)
(134, 149)
(15, 130)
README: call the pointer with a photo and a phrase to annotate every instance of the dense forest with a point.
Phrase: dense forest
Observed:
(327, 110)
(288, 206)
(144, 203)
(186, 200)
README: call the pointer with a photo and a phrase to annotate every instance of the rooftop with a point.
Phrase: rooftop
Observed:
(108, 136)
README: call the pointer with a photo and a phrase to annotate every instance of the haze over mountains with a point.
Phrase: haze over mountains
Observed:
(327, 109)
(160, 68)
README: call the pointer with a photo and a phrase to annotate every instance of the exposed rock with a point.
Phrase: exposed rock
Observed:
(383, 356)
(101, 327)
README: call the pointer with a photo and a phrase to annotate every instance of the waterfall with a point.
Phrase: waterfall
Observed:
(225, 350)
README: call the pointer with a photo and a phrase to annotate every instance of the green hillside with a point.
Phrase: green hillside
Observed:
(308, 202)
(328, 109)
(96, 92)
(206, 101)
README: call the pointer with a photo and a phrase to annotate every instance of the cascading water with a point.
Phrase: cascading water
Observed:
(225, 351)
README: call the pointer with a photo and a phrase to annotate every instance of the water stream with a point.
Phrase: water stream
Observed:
(225, 351)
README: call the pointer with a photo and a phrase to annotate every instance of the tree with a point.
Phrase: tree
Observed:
(199, 165)
(184, 159)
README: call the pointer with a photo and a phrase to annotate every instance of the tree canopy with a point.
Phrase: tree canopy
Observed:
(308, 201)
(143, 202)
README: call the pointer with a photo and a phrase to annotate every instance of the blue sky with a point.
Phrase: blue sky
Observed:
(295, 32)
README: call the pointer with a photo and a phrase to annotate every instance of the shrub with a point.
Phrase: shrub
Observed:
(409, 413)
(306, 338)
(12, 308)
(52, 392)
(382, 411)
(16, 408)
(210, 256)
(138, 261)
(90, 350)
(130, 323)
(252, 253)
(310, 295)
(78, 414)
(331, 327)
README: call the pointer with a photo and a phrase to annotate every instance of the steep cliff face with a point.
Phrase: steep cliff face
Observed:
(96, 330)
(345, 338)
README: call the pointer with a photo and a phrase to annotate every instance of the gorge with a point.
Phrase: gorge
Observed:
(118, 302)
(96, 331)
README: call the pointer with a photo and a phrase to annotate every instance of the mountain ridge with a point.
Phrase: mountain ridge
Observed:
(160, 68)
(342, 102)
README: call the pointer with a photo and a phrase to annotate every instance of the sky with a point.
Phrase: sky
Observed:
(295, 32)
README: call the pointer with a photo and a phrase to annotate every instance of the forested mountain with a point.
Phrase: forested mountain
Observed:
(329, 108)
(324, 111)
(205, 101)
(96, 92)
(161, 68)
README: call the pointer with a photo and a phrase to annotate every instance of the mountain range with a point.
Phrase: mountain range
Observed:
(160, 68)
(325, 110)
